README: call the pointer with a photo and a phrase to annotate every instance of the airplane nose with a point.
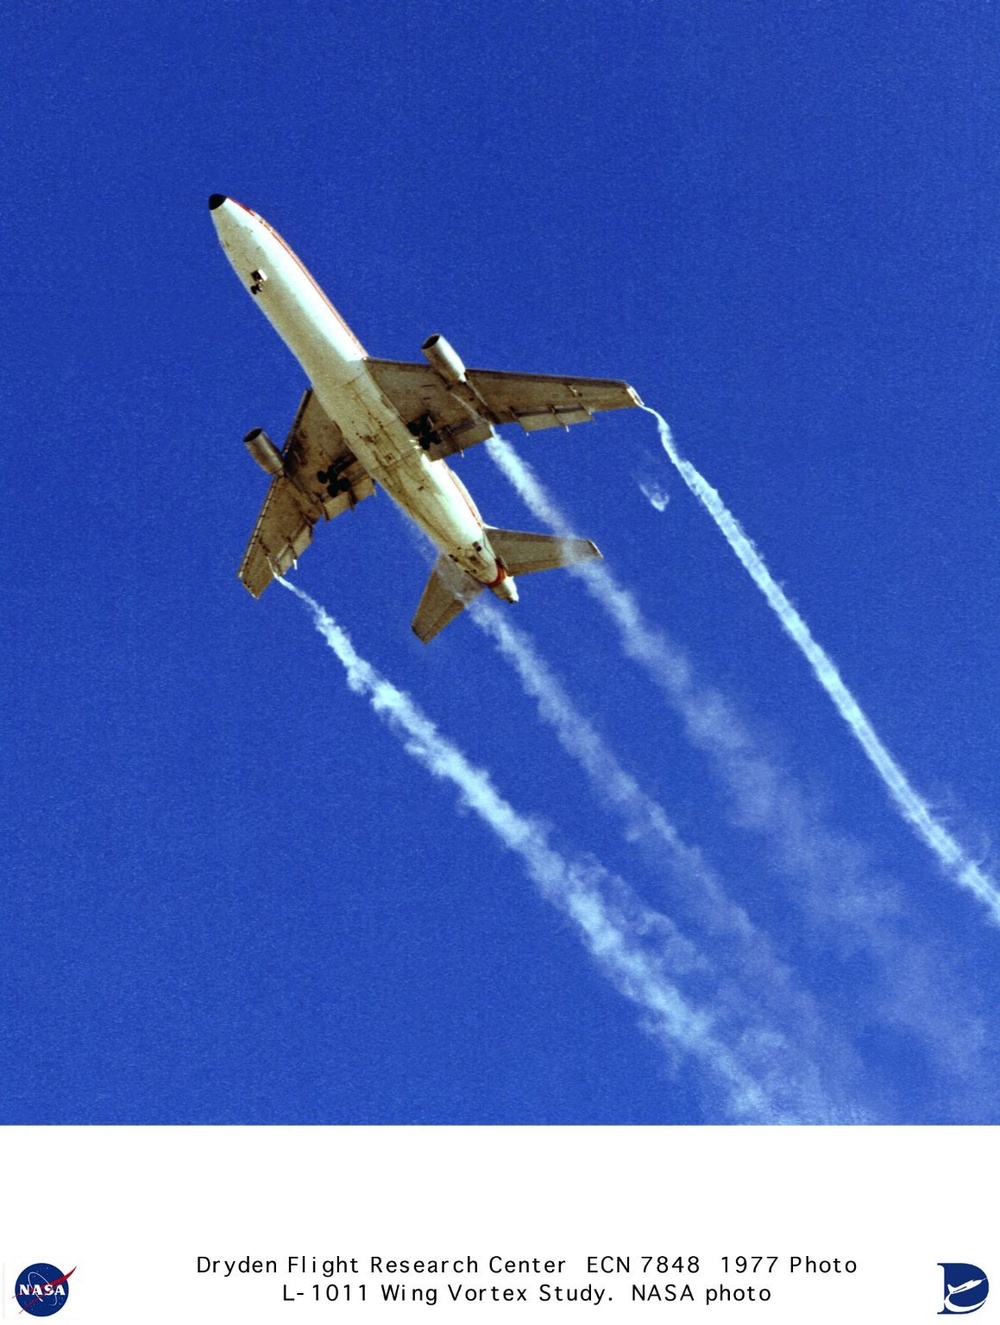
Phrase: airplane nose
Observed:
(216, 200)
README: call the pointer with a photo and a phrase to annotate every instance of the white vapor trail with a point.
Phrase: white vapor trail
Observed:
(843, 902)
(635, 947)
(910, 804)
(755, 972)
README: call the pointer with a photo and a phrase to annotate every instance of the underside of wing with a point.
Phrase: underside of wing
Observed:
(441, 422)
(536, 401)
(446, 420)
(321, 478)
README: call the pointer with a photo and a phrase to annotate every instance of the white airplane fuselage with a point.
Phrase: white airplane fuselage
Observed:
(335, 363)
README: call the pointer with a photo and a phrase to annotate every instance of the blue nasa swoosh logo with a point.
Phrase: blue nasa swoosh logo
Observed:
(42, 1289)
(965, 1288)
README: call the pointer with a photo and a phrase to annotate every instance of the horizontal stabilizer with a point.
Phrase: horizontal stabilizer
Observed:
(449, 591)
(523, 553)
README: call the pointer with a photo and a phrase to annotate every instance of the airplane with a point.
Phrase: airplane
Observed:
(364, 421)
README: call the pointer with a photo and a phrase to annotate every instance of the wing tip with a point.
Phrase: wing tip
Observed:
(253, 590)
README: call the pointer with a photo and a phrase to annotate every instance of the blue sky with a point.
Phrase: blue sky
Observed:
(233, 896)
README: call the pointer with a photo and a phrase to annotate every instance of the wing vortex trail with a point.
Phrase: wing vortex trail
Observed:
(844, 901)
(911, 805)
(756, 975)
(617, 930)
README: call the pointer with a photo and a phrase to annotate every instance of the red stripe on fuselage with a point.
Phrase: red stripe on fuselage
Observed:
(465, 497)
(306, 273)
(460, 489)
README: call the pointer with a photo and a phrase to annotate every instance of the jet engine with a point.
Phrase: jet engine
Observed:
(264, 451)
(444, 360)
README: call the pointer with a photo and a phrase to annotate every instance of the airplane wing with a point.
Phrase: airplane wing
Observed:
(428, 408)
(535, 401)
(299, 498)
(444, 424)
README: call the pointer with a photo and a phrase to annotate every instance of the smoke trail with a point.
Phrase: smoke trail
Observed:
(617, 930)
(844, 903)
(910, 804)
(749, 953)
(710, 721)
(657, 497)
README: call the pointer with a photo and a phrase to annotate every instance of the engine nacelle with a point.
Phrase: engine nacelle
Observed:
(444, 360)
(264, 451)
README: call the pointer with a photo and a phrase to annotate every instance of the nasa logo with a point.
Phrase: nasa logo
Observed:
(965, 1288)
(42, 1290)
